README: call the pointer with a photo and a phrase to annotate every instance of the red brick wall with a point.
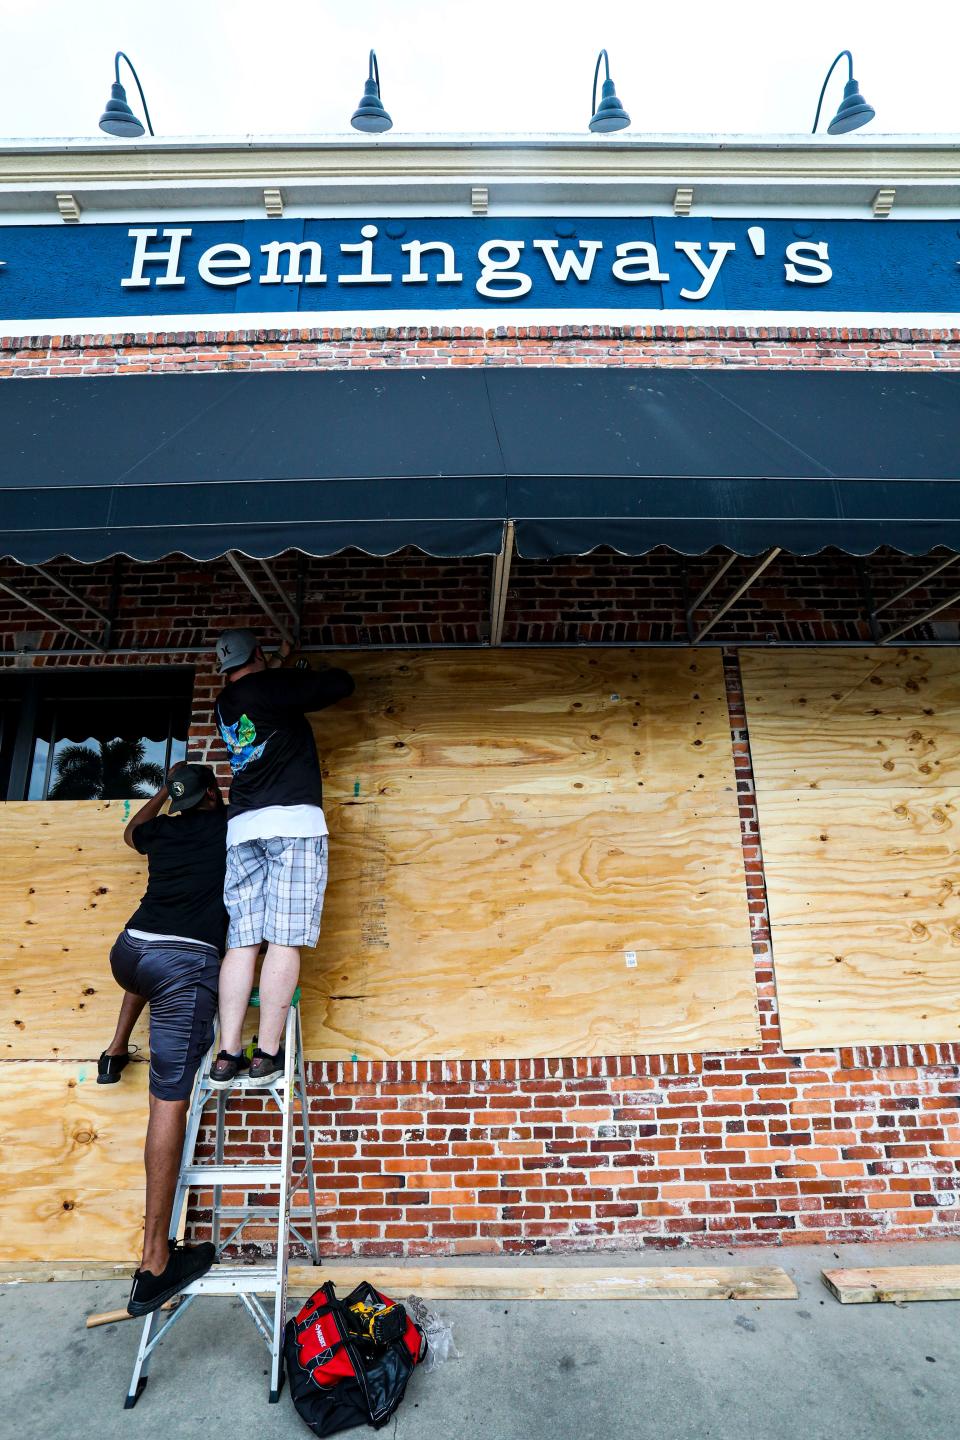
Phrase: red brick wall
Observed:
(781, 347)
(624, 1151)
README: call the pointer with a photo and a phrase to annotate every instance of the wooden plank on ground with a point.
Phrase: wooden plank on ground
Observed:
(71, 1185)
(857, 761)
(512, 1282)
(595, 1282)
(894, 1283)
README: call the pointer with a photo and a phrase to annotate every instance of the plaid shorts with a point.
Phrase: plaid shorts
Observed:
(274, 890)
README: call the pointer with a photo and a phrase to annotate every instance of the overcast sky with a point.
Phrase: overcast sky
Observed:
(267, 67)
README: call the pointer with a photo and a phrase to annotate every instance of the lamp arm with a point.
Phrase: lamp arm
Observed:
(823, 90)
(122, 55)
(374, 71)
(596, 74)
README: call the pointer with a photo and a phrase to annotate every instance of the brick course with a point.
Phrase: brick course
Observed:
(619, 1152)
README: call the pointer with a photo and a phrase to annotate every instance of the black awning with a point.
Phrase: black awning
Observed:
(438, 459)
(260, 462)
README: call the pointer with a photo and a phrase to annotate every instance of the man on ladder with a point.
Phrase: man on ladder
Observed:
(168, 955)
(276, 842)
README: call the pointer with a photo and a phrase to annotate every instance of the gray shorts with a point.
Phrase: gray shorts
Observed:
(180, 981)
(274, 890)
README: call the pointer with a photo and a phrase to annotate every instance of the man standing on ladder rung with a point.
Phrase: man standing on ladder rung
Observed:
(276, 842)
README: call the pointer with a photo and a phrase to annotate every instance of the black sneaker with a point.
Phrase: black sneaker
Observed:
(186, 1263)
(110, 1066)
(266, 1069)
(227, 1069)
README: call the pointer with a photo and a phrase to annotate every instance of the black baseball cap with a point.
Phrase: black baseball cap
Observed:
(188, 786)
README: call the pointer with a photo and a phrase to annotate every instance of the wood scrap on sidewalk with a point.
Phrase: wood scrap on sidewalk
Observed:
(894, 1283)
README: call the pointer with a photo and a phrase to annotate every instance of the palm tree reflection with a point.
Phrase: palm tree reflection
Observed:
(117, 770)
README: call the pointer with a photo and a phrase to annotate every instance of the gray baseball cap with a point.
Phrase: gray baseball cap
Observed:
(235, 648)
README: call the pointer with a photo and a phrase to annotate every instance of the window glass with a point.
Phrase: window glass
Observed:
(106, 737)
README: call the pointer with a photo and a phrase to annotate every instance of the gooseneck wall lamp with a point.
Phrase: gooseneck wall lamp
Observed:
(370, 116)
(610, 114)
(854, 110)
(117, 118)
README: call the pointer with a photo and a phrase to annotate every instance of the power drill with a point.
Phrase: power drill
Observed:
(376, 1325)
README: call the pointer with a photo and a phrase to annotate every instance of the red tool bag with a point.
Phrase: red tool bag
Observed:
(336, 1383)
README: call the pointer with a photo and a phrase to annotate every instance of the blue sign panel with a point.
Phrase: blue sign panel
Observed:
(668, 263)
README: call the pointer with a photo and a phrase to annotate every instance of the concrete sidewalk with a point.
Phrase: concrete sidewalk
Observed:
(676, 1370)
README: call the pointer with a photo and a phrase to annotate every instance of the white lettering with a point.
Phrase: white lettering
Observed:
(571, 263)
(638, 260)
(497, 275)
(136, 280)
(812, 255)
(225, 265)
(294, 255)
(720, 249)
(416, 275)
(363, 248)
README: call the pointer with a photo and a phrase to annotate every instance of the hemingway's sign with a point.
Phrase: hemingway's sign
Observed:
(658, 263)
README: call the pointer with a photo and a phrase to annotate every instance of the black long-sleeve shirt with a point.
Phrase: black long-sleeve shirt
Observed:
(262, 718)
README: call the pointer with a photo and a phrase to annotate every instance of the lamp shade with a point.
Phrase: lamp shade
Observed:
(853, 112)
(370, 116)
(117, 118)
(610, 114)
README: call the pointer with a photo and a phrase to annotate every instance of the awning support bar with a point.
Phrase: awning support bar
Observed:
(755, 574)
(260, 598)
(53, 619)
(71, 594)
(915, 584)
(921, 619)
(501, 584)
(695, 604)
(265, 567)
(866, 594)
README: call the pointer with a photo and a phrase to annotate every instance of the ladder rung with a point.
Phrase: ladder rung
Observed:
(235, 1280)
(232, 1175)
(254, 1212)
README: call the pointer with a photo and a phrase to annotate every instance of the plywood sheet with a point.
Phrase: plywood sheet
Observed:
(840, 858)
(868, 984)
(71, 1185)
(857, 762)
(495, 722)
(531, 854)
(67, 885)
(853, 719)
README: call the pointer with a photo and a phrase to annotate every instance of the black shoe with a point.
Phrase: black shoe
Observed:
(266, 1069)
(186, 1263)
(110, 1066)
(227, 1069)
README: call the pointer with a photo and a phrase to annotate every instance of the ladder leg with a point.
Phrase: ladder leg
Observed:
(283, 1212)
(197, 1102)
(138, 1381)
(218, 1155)
(307, 1144)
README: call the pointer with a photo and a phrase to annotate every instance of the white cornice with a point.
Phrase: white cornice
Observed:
(439, 173)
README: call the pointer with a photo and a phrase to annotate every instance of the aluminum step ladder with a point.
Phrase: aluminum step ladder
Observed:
(249, 1282)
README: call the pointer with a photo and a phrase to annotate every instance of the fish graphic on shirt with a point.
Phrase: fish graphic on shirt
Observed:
(241, 741)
